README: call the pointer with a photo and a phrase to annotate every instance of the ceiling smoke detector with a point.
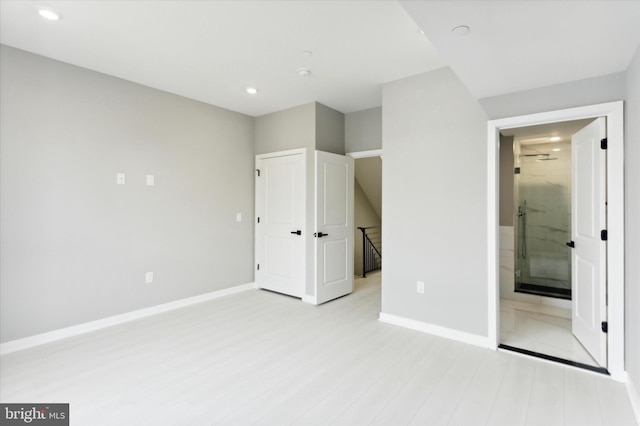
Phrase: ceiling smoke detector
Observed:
(460, 31)
(304, 72)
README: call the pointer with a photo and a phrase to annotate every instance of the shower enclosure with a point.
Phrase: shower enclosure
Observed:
(543, 219)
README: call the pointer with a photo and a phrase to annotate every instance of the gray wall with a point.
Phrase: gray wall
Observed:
(506, 180)
(329, 129)
(75, 246)
(312, 126)
(363, 130)
(291, 128)
(632, 224)
(434, 186)
(590, 91)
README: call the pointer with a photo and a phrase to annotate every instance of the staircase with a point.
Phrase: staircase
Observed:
(371, 249)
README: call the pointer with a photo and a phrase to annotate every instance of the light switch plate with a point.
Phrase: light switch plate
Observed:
(120, 179)
(151, 180)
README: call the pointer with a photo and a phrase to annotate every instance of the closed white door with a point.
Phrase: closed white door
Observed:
(280, 211)
(588, 255)
(334, 226)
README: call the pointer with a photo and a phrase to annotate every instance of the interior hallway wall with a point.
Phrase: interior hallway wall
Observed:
(434, 204)
(75, 246)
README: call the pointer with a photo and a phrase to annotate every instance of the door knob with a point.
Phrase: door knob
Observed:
(320, 235)
(571, 244)
(298, 232)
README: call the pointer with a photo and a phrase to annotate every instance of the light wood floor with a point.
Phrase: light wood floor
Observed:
(263, 358)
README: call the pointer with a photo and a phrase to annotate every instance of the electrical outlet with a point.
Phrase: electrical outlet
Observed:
(148, 277)
(420, 287)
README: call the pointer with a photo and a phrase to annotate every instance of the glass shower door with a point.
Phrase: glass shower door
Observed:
(543, 219)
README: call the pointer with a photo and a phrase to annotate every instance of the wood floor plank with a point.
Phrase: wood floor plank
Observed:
(475, 405)
(546, 404)
(582, 405)
(405, 404)
(262, 358)
(512, 401)
(443, 400)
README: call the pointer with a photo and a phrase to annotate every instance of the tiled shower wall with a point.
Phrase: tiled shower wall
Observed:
(546, 187)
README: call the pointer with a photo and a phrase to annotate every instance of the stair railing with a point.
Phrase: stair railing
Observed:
(371, 249)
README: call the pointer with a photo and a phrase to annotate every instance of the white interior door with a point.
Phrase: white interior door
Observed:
(588, 256)
(280, 211)
(334, 226)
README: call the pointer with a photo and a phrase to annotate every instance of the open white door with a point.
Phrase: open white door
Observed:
(588, 256)
(280, 211)
(334, 226)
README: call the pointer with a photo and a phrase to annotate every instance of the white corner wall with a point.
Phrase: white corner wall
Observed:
(434, 186)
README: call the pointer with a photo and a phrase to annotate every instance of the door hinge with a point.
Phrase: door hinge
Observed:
(258, 268)
(605, 327)
(604, 235)
(516, 171)
(603, 143)
(258, 171)
(258, 219)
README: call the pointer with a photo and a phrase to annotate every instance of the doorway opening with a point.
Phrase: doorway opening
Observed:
(367, 212)
(540, 157)
(612, 307)
(536, 310)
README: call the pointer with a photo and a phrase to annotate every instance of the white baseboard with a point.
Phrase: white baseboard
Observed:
(436, 330)
(75, 330)
(634, 397)
(310, 299)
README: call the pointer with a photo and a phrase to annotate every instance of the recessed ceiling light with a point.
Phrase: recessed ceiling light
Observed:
(307, 53)
(49, 14)
(556, 149)
(251, 90)
(461, 30)
(554, 138)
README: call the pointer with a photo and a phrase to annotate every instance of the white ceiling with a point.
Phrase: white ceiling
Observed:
(211, 50)
(521, 45)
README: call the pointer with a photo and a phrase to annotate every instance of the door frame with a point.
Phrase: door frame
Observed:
(365, 154)
(614, 112)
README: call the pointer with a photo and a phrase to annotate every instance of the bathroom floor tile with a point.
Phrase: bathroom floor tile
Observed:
(542, 329)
